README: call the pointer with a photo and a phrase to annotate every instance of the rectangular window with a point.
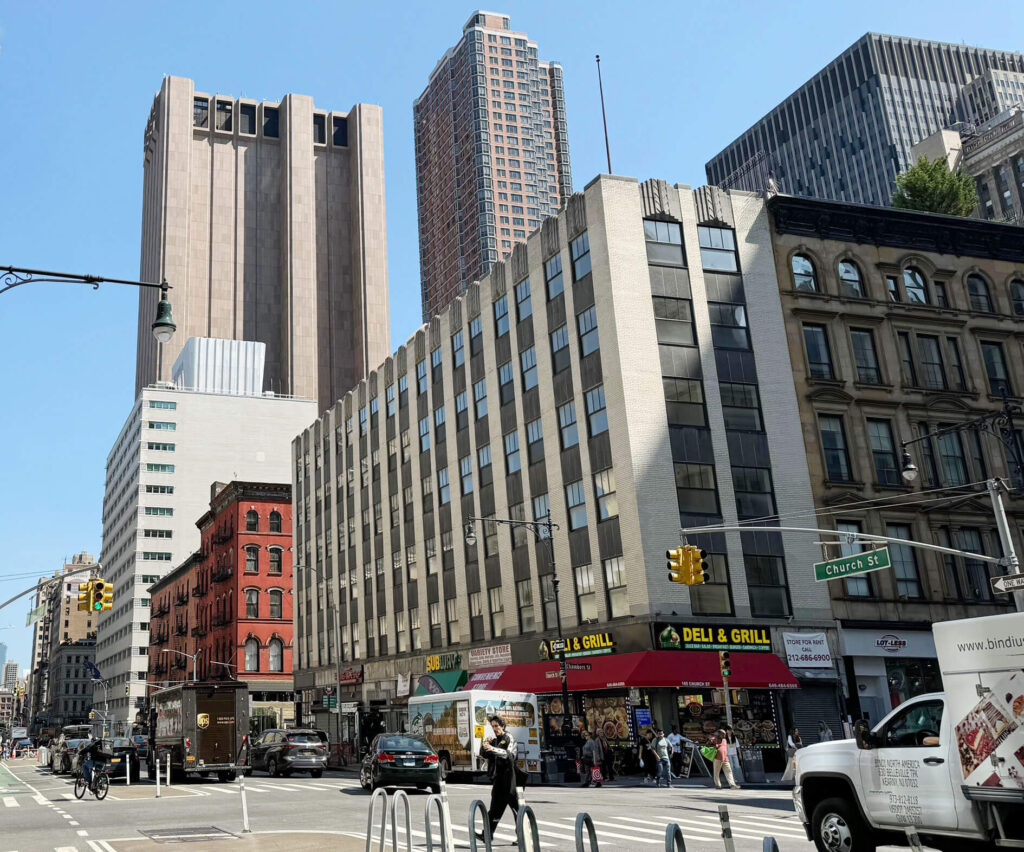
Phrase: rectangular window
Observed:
(247, 119)
(421, 376)
(951, 459)
(200, 112)
(547, 596)
(995, 369)
(941, 299)
(560, 358)
(225, 110)
(458, 349)
(553, 275)
(907, 359)
(444, 494)
(673, 319)
(695, 488)
(165, 425)
(819, 360)
(904, 563)
(957, 380)
(833, 444)
(534, 442)
(159, 489)
(753, 486)
(717, 249)
(728, 326)
(586, 323)
(424, 434)
(430, 551)
(389, 399)
(524, 308)
(319, 129)
(597, 413)
(406, 455)
(586, 595)
(567, 425)
(339, 135)
(883, 449)
(684, 401)
(506, 383)
(576, 504)
(466, 474)
(766, 582)
(501, 317)
(713, 596)
(461, 412)
(436, 365)
(512, 452)
(528, 362)
(580, 250)
(604, 493)
(163, 447)
(741, 407)
(858, 586)
(270, 122)
(497, 608)
(363, 421)
(664, 243)
(865, 357)
(615, 581)
(476, 336)
(933, 371)
(163, 404)
(524, 599)
(159, 511)
(480, 398)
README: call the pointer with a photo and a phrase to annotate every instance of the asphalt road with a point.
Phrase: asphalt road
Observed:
(38, 813)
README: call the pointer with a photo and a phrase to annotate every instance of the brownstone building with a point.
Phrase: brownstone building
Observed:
(900, 323)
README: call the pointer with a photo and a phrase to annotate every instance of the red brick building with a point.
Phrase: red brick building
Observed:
(229, 605)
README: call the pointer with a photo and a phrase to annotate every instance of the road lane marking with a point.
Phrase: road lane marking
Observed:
(40, 799)
(712, 825)
(11, 802)
(226, 790)
(83, 833)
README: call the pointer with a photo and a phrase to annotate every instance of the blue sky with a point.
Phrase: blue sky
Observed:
(76, 85)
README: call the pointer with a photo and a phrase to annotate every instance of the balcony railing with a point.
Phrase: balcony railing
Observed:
(178, 663)
(181, 629)
(221, 573)
(161, 609)
(221, 620)
(157, 638)
(199, 591)
(199, 631)
(159, 668)
(181, 598)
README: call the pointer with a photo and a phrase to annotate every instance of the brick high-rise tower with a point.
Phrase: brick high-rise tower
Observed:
(492, 155)
(267, 219)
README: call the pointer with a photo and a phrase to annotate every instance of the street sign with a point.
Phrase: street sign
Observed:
(846, 566)
(558, 645)
(1008, 583)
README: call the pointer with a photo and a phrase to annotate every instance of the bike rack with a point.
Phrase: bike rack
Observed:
(379, 793)
(400, 796)
(475, 808)
(442, 819)
(583, 819)
(527, 812)
(769, 845)
(674, 840)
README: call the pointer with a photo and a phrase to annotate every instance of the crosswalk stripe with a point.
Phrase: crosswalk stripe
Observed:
(227, 790)
(11, 802)
(298, 787)
(661, 833)
(707, 827)
(769, 826)
(251, 789)
(747, 823)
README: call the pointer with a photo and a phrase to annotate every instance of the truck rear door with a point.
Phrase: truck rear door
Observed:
(906, 782)
(215, 727)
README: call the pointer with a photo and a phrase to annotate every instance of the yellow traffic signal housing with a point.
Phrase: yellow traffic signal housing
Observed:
(698, 575)
(678, 566)
(105, 596)
(85, 596)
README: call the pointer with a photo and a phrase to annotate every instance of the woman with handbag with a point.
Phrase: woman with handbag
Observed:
(721, 761)
(592, 757)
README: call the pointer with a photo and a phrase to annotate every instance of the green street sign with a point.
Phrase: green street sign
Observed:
(846, 566)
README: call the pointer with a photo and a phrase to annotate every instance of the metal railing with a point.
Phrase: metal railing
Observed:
(479, 807)
(583, 820)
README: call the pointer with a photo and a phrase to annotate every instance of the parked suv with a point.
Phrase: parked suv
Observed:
(282, 752)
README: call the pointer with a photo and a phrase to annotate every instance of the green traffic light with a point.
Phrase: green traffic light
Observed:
(98, 606)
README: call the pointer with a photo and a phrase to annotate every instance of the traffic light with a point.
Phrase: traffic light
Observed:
(698, 575)
(85, 596)
(724, 663)
(101, 596)
(678, 570)
(127, 691)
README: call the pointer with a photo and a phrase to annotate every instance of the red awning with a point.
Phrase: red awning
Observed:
(641, 669)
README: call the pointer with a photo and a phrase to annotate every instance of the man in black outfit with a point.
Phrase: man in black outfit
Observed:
(500, 751)
(90, 752)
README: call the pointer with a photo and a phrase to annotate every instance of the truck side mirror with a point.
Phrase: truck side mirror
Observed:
(862, 734)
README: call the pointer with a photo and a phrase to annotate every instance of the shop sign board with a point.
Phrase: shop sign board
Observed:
(403, 685)
(351, 675)
(643, 717)
(490, 657)
(711, 637)
(349, 706)
(857, 563)
(444, 662)
(584, 645)
(807, 650)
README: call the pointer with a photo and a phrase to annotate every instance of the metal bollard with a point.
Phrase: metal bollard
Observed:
(723, 816)
(156, 760)
(245, 803)
(168, 770)
(475, 808)
(449, 838)
(128, 772)
(583, 819)
(445, 826)
(769, 845)
(526, 812)
(379, 793)
(401, 796)
(674, 841)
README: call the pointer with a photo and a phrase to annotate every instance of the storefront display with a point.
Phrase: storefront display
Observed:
(608, 716)
(755, 719)
(886, 667)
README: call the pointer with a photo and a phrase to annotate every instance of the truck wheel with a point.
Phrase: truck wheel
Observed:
(272, 768)
(836, 826)
(316, 773)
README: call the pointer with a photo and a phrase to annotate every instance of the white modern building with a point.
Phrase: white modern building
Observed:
(10, 676)
(176, 442)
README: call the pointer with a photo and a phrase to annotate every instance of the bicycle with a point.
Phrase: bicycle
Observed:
(100, 784)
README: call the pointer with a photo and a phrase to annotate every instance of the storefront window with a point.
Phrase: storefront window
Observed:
(911, 677)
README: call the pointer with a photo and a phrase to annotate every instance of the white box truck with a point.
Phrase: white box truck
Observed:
(949, 763)
(455, 724)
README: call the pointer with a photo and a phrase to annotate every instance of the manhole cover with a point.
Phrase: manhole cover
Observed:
(187, 834)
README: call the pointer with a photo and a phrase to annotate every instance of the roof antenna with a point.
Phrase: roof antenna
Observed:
(604, 118)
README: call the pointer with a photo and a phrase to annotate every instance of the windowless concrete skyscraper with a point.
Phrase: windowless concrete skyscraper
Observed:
(847, 132)
(492, 155)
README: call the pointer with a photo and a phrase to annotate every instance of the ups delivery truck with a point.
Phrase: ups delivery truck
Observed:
(201, 726)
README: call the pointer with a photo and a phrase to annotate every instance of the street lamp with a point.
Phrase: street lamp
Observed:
(543, 528)
(192, 657)
(163, 326)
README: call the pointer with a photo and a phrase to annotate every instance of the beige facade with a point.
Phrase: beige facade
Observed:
(267, 220)
(893, 336)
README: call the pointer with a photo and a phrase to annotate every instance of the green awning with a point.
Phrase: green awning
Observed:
(437, 682)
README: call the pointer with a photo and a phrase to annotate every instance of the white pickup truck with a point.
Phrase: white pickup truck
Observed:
(949, 763)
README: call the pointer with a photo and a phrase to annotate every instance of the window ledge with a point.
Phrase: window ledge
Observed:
(844, 483)
(881, 386)
(831, 383)
(884, 487)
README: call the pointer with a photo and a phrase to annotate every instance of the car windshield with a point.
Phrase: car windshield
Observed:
(404, 744)
(304, 738)
(121, 742)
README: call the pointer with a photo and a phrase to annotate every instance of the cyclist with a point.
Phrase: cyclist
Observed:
(90, 752)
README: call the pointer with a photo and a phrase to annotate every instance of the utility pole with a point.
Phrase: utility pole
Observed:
(996, 487)
(604, 118)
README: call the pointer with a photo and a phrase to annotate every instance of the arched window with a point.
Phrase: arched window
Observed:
(275, 560)
(252, 521)
(977, 291)
(275, 603)
(275, 521)
(916, 286)
(252, 556)
(803, 274)
(1017, 295)
(850, 283)
(252, 603)
(276, 655)
(252, 655)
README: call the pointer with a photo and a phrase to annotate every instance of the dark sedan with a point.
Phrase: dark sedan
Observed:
(399, 760)
(282, 752)
(120, 753)
(141, 747)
